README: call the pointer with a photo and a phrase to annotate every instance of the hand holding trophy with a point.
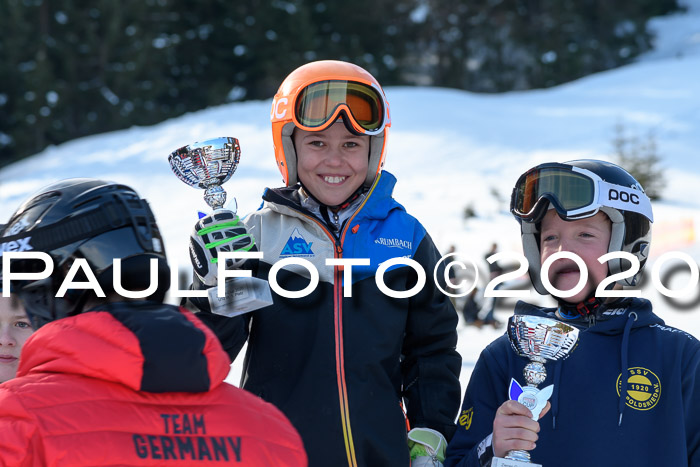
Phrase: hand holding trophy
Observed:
(539, 339)
(207, 165)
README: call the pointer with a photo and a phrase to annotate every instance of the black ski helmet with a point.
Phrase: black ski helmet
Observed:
(579, 189)
(84, 218)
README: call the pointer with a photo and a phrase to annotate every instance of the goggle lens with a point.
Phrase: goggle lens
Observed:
(571, 190)
(318, 102)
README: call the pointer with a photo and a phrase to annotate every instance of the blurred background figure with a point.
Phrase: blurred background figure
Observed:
(15, 329)
(452, 276)
(485, 315)
(495, 269)
(470, 310)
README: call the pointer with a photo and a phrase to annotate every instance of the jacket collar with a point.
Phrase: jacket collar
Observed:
(612, 318)
(145, 346)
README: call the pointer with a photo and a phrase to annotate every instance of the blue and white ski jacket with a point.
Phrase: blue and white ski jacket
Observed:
(629, 394)
(341, 367)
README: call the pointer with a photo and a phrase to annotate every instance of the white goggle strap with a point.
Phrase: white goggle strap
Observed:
(624, 198)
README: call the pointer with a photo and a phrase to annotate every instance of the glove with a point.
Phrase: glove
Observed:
(221, 231)
(426, 447)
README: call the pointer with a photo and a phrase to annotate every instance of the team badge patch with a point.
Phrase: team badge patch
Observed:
(297, 246)
(643, 390)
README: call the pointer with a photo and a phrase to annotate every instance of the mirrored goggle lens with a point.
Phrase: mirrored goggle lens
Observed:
(318, 102)
(571, 190)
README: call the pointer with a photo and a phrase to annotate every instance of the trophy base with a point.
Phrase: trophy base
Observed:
(500, 462)
(243, 294)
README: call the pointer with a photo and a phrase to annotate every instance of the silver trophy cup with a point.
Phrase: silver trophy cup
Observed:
(539, 339)
(207, 165)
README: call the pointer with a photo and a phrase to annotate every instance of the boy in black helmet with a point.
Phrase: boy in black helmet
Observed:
(630, 392)
(107, 380)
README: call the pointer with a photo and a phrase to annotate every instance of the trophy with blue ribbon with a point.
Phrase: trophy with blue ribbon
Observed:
(539, 339)
(208, 165)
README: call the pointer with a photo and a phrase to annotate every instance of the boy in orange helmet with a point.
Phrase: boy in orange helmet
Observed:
(340, 367)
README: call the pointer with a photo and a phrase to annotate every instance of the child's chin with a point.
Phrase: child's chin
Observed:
(569, 284)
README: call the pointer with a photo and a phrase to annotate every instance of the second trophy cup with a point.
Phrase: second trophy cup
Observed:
(539, 339)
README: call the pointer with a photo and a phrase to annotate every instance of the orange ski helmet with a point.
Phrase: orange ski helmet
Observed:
(314, 96)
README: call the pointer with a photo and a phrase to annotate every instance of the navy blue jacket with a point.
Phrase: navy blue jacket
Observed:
(631, 352)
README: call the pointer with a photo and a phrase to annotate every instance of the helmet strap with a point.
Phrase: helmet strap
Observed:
(590, 308)
(376, 148)
(337, 207)
(290, 153)
(112, 215)
(587, 310)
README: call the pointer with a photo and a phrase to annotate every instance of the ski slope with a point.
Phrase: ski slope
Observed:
(449, 149)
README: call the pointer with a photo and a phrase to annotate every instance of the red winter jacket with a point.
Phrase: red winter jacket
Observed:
(137, 384)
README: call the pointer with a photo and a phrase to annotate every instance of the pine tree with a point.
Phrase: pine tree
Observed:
(640, 158)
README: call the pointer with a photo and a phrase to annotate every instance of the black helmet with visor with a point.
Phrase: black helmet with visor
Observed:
(92, 219)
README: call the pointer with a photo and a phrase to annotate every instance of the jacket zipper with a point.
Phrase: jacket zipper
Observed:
(338, 326)
(340, 358)
(339, 351)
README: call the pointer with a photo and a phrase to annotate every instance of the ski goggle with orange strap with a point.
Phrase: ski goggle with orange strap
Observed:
(575, 193)
(320, 104)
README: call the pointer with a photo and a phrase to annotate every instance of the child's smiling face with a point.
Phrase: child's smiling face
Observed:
(332, 164)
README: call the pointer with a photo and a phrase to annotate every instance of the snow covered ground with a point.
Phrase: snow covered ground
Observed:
(449, 149)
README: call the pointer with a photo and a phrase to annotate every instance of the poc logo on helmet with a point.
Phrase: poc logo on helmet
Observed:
(619, 195)
(276, 107)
